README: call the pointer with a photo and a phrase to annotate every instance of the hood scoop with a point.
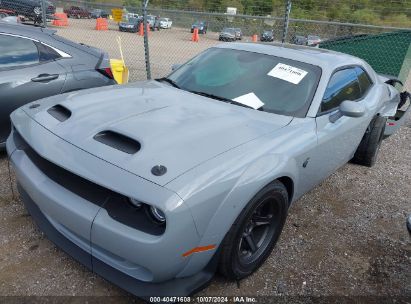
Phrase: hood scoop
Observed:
(118, 141)
(59, 112)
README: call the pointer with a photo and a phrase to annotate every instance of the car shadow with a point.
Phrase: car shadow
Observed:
(3, 155)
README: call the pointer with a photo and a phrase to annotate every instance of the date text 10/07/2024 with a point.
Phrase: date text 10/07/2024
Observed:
(200, 299)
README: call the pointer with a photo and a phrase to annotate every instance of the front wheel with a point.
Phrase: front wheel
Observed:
(37, 10)
(255, 232)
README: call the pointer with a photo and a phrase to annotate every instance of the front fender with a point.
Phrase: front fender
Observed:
(252, 180)
(226, 207)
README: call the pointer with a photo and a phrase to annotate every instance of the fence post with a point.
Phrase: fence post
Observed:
(44, 13)
(146, 49)
(286, 20)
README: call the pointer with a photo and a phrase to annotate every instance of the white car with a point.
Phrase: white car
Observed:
(132, 15)
(165, 23)
(313, 40)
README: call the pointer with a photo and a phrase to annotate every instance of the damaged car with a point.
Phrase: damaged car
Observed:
(156, 185)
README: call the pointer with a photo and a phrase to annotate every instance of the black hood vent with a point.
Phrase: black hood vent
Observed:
(59, 112)
(118, 141)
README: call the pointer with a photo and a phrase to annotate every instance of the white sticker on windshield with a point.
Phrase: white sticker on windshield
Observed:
(288, 73)
(250, 100)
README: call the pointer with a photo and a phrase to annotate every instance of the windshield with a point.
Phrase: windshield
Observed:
(133, 20)
(229, 30)
(283, 86)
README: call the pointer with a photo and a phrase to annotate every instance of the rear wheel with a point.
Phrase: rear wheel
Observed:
(255, 232)
(369, 147)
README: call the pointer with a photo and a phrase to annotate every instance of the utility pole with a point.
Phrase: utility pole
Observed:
(43, 12)
(147, 52)
(286, 20)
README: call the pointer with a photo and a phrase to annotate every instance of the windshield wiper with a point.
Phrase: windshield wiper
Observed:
(168, 80)
(228, 100)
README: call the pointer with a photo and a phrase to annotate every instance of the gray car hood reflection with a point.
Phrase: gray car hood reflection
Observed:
(175, 128)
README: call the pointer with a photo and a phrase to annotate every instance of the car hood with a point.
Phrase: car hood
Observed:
(174, 128)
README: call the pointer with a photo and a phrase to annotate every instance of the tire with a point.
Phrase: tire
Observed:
(238, 259)
(37, 11)
(367, 151)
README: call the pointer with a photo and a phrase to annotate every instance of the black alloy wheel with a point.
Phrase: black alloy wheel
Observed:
(255, 232)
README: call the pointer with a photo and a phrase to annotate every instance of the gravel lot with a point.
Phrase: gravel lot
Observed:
(167, 47)
(347, 237)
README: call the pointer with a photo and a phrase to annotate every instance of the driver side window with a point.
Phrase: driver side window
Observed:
(343, 85)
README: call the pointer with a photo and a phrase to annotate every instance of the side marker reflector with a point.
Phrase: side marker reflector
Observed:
(199, 249)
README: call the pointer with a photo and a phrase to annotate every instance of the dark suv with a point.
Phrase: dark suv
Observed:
(202, 27)
(31, 9)
(77, 12)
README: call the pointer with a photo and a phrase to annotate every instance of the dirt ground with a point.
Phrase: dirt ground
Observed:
(347, 237)
(167, 47)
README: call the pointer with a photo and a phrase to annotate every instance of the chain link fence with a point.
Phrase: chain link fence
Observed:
(170, 40)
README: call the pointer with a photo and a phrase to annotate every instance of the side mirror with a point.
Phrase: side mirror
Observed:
(348, 108)
(175, 67)
(352, 109)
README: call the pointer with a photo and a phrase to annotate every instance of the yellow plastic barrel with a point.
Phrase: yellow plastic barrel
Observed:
(120, 71)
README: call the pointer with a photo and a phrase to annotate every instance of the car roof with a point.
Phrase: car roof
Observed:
(323, 58)
(25, 30)
(47, 36)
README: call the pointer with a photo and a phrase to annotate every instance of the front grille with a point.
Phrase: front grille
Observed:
(116, 205)
(72, 182)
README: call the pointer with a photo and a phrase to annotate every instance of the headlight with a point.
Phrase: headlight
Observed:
(201, 28)
(157, 215)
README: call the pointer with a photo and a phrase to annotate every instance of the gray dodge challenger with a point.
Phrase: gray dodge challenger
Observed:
(156, 185)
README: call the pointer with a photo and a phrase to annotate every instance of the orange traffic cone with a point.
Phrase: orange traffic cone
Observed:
(60, 19)
(141, 29)
(101, 24)
(254, 38)
(195, 37)
(148, 28)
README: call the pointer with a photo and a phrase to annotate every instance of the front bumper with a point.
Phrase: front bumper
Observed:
(267, 39)
(128, 29)
(227, 38)
(175, 287)
(395, 122)
(142, 263)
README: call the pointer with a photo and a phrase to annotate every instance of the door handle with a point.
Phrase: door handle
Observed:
(45, 78)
